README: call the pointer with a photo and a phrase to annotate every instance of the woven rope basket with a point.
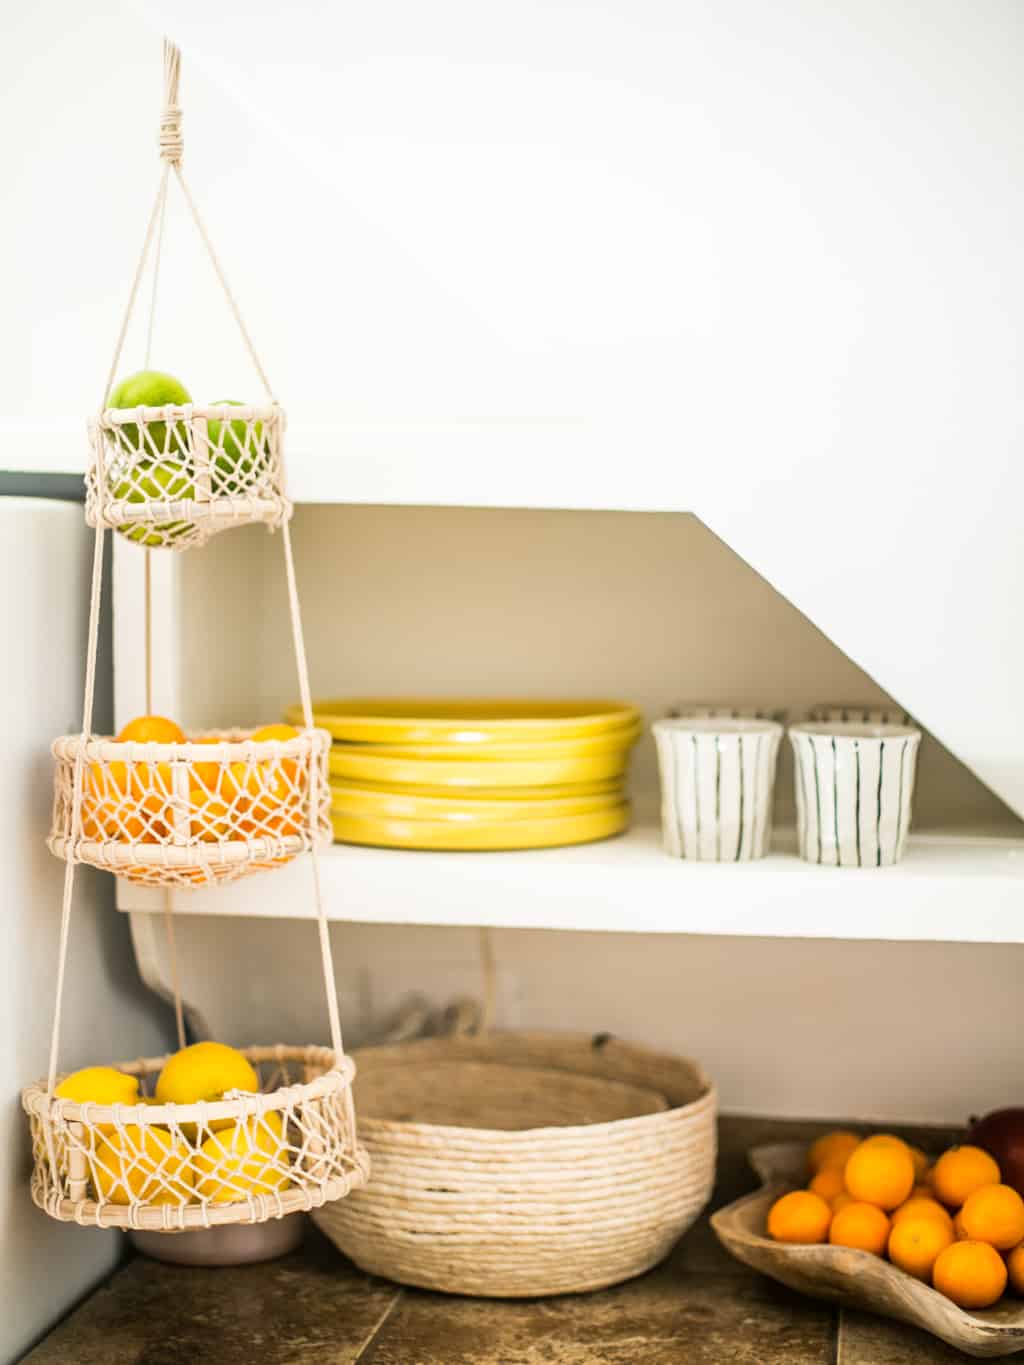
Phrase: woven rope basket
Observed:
(211, 810)
(168, 1167)
(171, 477)
(530, 1210)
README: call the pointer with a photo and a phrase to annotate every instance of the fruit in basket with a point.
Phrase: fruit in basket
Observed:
(150, 389)
(994, 1214)
(142, 1165)
(1001, 1134)
(921, 1160)
(269, 789)
(799, 1216)
(918, 1206)
(828, 1183)
(99, 1085)
(834, 1149)
(916, 1242)
(880, 1172)
(1015, 1269)
(234, 456)
(960, 1171)
(972, 1274)
(249, 1156)
(165, 480)
(131, 802)
(205, 1071)
(862, 1226)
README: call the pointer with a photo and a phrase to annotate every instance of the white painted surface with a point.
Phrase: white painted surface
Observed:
(756, 261)
(46, 556)
(630, 885)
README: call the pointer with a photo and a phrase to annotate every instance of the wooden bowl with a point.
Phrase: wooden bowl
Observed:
(854, 1278)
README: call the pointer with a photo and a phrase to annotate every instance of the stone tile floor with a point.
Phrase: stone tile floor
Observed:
(314, 1308)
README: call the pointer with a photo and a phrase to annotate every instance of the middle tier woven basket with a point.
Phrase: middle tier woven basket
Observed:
(210, 810)
(519, 1211)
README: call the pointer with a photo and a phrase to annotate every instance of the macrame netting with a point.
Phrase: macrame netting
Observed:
(183, 815)
(171, 477)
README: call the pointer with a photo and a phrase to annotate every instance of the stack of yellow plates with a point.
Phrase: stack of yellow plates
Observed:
(417, 773)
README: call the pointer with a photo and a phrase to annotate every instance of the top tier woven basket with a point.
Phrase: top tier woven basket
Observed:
(552, 1206)
(171, 477)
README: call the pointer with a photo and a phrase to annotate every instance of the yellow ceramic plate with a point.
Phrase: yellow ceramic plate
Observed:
(530, 750)
(424, 720)
(501, 834)
(363, 763)
(612, 786)
(466, 807)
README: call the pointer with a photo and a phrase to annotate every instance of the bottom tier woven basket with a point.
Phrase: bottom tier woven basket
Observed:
(520, 1210)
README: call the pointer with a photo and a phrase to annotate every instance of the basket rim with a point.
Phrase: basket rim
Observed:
(338, 1074)
(122, 853)
(236, 745)
(170, 1218)
(107, 418)
(707, 1099)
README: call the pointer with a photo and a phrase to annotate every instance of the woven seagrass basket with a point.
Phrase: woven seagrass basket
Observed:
(550, 1194)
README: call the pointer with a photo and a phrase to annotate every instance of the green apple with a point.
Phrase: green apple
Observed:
(150, 389)
(152, 481)
(236, 457)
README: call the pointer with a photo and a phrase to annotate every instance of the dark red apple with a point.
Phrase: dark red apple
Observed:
(1001, 1133)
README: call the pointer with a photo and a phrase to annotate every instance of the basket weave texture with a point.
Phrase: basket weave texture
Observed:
(171, 477)
(544, 1209)
(210, 810)
(242, 1159)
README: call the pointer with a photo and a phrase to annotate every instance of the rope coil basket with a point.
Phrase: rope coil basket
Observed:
(211, 810)
(533, 1208)
(167, 1167)
(171, 477)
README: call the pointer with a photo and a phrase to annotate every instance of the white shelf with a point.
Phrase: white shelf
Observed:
(948, 888)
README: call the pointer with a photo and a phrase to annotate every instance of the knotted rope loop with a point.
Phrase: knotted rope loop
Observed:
(171, 143)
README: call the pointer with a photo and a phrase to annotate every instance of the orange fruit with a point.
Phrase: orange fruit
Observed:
(1015, 1267)
(270, 789)
(916, 1243)
(799, 1217)
(972, 1274)
(833, 1149)
(828, 1183)
(208, 775)
(961, 1171)
(918, 1206)
(959, 1231)
(210, 818)
(994, 1214)
(921, 1161)
(155, 729)
(840, 1201)
(880, 1172)
(863, 1226)
(922, 1191)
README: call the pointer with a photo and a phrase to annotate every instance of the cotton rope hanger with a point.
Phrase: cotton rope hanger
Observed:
(171, 148)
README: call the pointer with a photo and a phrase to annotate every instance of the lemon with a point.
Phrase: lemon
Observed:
(237, 452)
(99, 1085)
(150, 481)
(142, 1165)
(244, 1158)
(150, 389)
(204, 1071)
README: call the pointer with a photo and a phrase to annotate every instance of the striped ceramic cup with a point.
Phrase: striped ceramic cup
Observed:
(854, 791)
(717, 783)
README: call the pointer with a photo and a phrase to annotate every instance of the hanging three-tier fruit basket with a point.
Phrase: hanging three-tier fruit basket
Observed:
(213, 808)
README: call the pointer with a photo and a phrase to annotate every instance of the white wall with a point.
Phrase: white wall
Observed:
(645, 607)
(46, 555)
